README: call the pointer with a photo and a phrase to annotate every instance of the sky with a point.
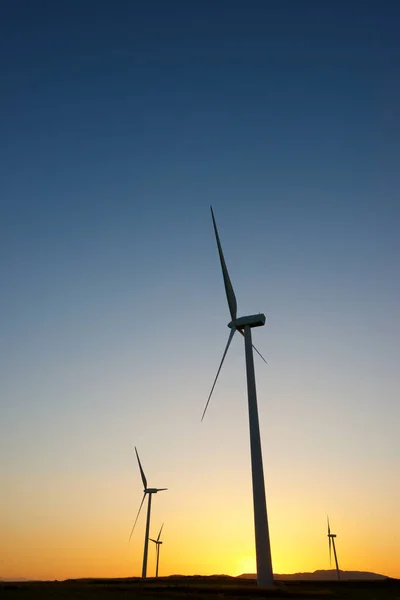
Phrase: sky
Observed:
(121, 123)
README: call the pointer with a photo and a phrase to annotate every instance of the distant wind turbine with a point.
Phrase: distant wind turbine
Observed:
(149, 492)
(243, 325)
(331, 537)
(158, 543)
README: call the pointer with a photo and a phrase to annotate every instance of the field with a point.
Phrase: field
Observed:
(196, 588)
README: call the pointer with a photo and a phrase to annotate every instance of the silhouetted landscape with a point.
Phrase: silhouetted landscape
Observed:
(321, 575)
(359, 585)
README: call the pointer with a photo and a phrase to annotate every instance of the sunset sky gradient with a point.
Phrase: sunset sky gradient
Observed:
(121, 122)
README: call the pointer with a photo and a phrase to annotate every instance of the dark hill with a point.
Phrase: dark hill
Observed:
(321, 575)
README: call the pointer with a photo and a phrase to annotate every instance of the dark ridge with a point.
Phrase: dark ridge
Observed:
(321, 575)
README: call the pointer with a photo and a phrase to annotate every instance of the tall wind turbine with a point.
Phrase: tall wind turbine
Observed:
(331, 537)
(149, 492)
(158, 543)
(244, 325)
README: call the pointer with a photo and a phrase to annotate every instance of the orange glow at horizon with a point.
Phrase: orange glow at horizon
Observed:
(219, 541)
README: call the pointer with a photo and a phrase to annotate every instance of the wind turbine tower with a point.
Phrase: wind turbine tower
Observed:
(331, 537)
(158, 543)
(147, 492)
(244, 325)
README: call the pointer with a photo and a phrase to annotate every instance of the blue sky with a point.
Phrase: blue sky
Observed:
(120, 124)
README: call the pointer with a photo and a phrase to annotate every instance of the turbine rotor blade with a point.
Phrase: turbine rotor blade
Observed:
(230, 294)
(254, 348)
(151, 540)
(259, 354)
(161, 489)
(219, 369)
(160, 532)
(137, 516)
(141, 470)
(330, 540)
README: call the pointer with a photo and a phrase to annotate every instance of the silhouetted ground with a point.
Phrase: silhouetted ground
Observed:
(198, 588)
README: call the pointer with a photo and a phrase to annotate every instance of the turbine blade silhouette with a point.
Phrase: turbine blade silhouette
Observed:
(253, 346)
(230, 294)
(219, 369)
(141, 471)
(160, 532)
(137, 516)
(151, 539)
(330, 541)
(259, 354)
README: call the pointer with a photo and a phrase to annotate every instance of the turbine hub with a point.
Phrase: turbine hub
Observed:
(251, 321)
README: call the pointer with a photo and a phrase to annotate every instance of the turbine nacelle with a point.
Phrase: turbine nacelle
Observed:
(153, 490)
(250, 320)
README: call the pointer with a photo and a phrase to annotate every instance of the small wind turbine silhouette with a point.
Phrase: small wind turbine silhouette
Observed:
(149, 492)
(158, 544)
(243, 325)
(331, 537)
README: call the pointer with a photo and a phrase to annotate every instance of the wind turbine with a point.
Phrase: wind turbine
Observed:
(158, 544)
(149, 492)
(244, 325)
(331, 537)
